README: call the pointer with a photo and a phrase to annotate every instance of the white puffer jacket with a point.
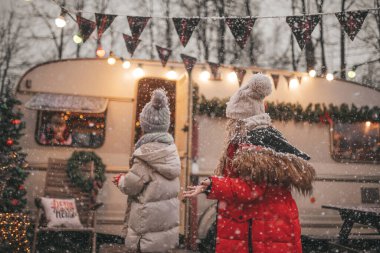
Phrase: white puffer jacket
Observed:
(152, 186)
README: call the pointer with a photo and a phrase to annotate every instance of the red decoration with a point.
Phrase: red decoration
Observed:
(302, 27)
(86, 27)
(189, 62)
(103, 21)
(240, 29)
(137, 25)
(312, 200)
(164, 54)
(131, 43)
(326, 118)
(185, 28)
(15, 202)
(21, 187)
(9, 142)
(15, 121)
(351, 21)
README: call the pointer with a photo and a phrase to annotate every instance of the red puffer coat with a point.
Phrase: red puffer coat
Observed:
(253, 215)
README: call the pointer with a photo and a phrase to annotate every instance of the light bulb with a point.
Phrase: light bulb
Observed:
(172, 75)
(126, 64)
(312, 73)
(232, 77)
(77, 39)
(138, 72)
(111, 60)
(329, 77)
(368, 123)
(351, 74)
(100, 52)
(293, 83)
(60, 21)
(205, 75)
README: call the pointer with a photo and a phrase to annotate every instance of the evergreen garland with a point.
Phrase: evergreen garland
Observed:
(313, 113)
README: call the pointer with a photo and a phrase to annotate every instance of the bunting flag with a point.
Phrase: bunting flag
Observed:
(351, 21)
(214, 67)
(131, 43)
(299, 79)
(288, 80)
(241, 29)
(164, 54)
(275, 79)
(189, 62)
(302, 27)
(137, 25)
(103, 21)
(86, 27)
(240, 73)
(185, 28)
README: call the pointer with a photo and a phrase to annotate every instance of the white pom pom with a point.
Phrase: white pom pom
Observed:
(260, 85)
(159, 99)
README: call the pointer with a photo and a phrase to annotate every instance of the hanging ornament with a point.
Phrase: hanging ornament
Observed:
(103, 21)
(288, 80)
(240, 73)
(137, 25)
(131, 43)
(86, 27)
(15, 202)
(9, 142)
(302, 27)
(189, 62)
(351, 21)
(185, 28)
(241, 29)
(163, 54)
(16, 121)
(275, 79)
(214, 69)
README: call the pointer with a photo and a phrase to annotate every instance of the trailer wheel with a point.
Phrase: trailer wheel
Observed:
(207, 245)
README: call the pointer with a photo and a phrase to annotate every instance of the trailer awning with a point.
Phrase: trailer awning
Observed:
(61, 102)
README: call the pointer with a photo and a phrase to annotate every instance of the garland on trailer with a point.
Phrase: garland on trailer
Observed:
(90, 183)
(313, 113)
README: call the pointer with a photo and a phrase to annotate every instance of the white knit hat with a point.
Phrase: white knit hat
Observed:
(248, 99)
(155, 116)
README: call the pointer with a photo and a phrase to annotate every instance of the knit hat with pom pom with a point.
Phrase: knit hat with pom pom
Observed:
(248, 99)
(155, 116)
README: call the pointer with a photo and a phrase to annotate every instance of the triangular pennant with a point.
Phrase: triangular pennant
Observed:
(299, 79)
(288, 80)
(86, 27)
(240, 73)
(275, 79)
(189, 62)
(302, 27)
(185, 28)
(131, 43)
(241, 28)
(214, 69)
(164, 54)
(137, 25)
(103, 21)
(351, 21)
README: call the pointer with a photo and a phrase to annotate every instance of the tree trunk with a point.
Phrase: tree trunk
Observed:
(220, 5)
(252, 58)
(321, 38)
(292, 41)
(309, 47)
(342, 48)
(168, 28)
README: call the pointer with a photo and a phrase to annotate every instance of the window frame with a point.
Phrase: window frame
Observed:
(36, 137)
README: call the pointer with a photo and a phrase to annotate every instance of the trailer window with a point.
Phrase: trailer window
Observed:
(70, 129)
(356, 142)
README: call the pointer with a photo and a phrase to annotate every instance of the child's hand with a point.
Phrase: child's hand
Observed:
(194, 191)
(116, 179)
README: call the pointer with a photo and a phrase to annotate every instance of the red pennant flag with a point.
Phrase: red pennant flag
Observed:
(86, 27)
(302, 27)
(185, 28)
(351, 21)
(103, 21)
(240, 73)
(189, 62)
(275, 78)
(137, 25)
(131, 43)
(164, 54)
(240, 29)
(214, 69)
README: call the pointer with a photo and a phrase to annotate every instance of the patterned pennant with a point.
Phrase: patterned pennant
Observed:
(131, 43)
(240, 73)
(103, 21)
(275, 78)
(164, 54)
(351, 21)
(185, 28)
(137, 25)
(214, 69)
(240, 29)
(86, 27)
(302, 27)
(288, 80)
(189, 62)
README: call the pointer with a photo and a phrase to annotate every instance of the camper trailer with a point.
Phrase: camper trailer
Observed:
(103, 102)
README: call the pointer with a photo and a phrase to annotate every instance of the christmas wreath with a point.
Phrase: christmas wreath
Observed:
(88, 183)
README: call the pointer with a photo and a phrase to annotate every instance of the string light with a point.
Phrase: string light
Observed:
(351, 74)
(368, 123)
(126, 64)
(205, 75)
(77, 38)
(172, 74)
(312, 73)
(294, 83)
(13, 227)
(60, 21)
(111, 59)
(232, 77)
(138, 72)
(329, 77)
(100, 52)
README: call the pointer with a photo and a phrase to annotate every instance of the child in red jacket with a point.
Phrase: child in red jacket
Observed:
(258, 169)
